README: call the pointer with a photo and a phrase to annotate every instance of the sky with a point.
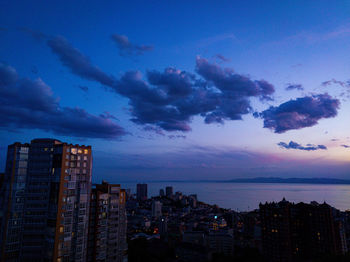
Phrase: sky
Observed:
(177, 90)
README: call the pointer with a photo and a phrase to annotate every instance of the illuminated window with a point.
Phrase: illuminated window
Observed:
(73, 150)
(80, 151)
(86, 151)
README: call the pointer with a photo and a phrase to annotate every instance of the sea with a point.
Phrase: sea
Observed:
(247, 196)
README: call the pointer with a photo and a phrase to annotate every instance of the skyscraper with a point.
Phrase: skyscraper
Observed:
(169, 191)
(300, 231)
(47, 197)
(12, 201)
(141, 192)
(156, 209)
(107, 224)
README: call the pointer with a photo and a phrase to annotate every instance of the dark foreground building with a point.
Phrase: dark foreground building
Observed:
(107, 225)
(46, 197)
(141, 192)
(292, 232)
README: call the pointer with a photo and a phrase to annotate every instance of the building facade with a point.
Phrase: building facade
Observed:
(141, 192)
(12, 201)
(47, 192)
(300, 231)
(107, 225)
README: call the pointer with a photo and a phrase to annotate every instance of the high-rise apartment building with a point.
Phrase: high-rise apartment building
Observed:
(156, 209)
(141, 192)
(300, 231)
(12, 201)
(107, 225)
(169, 191)
(46, 194)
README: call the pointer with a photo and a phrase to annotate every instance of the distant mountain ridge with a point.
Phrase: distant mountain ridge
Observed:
(279, 180)
(266, 180)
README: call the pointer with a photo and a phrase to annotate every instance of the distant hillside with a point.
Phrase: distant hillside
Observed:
(290, 180)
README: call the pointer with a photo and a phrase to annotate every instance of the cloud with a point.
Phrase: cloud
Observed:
(299, 113)
(170, 99)
(37, 35)
(345, 146)
(77, 62)
(126, 48)
(308, 147)
(84, 88)
(235, 85)
(336, 82)
(222, 58)
(176, 136)
(30, 104)
(294, 87)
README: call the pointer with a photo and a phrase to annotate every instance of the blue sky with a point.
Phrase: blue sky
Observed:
(71, 49)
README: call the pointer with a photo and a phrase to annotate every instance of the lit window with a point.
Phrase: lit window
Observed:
(73, 150)
(86, 151)
(80, 151)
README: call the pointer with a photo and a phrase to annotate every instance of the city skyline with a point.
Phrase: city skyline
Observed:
(165, 91)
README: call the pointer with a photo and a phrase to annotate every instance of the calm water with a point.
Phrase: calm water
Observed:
(246, 196)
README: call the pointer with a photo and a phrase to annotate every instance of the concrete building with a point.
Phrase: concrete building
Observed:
(156, 209)
(107, 224)
(169, 191)
(161, 193)
(300, 231)
(141, 192)
(221, 241)
(47, 187)
(12, 201)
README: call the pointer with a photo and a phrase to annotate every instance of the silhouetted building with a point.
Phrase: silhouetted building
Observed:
(47, 197)
(12, 201)
(156, 208)
(141, 192)
(161, 193)
(107, 224)
(169, 191)
(300, 231)
(221, 241)
(2, 177)
(163, 226)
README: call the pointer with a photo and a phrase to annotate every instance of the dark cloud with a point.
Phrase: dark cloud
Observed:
(156, 130)
(345, 146)
(235, 85)
(170, 99)
(28, 104)
(222, 58)
(299, 113)
(126, 48)
(336, 82)
(176, 136)
(174, 82)
(78, 63)
(84, 88)
(37, 35)
(308, 147)
(294, 87)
